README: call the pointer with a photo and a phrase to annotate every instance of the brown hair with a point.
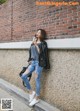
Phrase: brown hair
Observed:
(43, 34)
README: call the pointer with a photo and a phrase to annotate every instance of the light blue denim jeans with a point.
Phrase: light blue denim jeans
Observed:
(34, 66)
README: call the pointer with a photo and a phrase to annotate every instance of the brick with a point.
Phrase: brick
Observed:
(20, 19)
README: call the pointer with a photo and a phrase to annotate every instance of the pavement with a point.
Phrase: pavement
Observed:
(20, 98)
(18, 103)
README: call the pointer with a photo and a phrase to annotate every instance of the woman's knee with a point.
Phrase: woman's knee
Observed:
(36, 75)
(24, 75)
(26, 72)
(37, 79)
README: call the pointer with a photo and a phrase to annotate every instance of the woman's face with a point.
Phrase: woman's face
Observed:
(38, 34)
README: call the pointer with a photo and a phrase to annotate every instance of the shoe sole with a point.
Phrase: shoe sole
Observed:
(34, 104)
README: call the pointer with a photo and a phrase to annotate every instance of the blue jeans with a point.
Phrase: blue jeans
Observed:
(34, 66)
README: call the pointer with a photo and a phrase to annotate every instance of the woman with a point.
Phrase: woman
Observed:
(38, 60)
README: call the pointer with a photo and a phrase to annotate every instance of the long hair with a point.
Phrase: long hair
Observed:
(43, 34)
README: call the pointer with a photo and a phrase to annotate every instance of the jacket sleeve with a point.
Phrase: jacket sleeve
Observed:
(29, 58)
(47, 57)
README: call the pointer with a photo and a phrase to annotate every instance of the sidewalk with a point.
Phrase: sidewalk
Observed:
(21, 98)
(18, 103)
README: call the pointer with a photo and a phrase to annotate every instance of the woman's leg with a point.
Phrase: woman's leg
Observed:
(25, 77)
(38, 72)
(36, 97)
(38, 86)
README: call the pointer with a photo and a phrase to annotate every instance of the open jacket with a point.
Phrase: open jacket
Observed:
(43, 55)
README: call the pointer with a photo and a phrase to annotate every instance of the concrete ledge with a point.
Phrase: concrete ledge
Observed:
(67, 43)
(41, 106)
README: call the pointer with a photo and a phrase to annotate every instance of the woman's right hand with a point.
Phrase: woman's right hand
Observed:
(34, 40)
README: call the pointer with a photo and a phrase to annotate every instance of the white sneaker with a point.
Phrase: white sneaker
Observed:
(34, 101)
(31, 96)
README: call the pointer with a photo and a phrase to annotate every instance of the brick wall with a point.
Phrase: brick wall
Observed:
(19, 20)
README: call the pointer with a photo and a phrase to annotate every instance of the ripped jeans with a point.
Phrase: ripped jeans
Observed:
(34, 66)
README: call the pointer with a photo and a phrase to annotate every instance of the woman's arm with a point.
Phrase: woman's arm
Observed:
(29, 58)
(47, 56)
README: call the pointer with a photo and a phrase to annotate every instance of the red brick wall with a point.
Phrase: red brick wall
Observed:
(19, 20)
